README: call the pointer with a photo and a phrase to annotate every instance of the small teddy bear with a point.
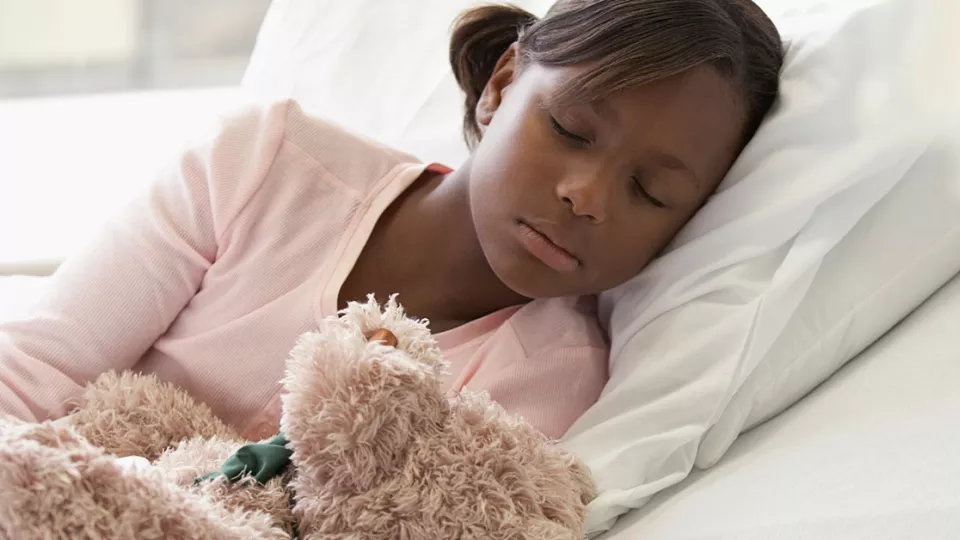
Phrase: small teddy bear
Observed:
(376, 450)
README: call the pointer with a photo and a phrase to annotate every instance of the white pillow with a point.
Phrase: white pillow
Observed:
(899, 253)
(377, 68)
(690, 330)
(695, 325)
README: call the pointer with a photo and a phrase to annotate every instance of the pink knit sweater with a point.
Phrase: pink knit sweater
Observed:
(238, 248)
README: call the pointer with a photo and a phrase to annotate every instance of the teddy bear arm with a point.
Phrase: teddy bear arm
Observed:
(54, 484)
(131, 414)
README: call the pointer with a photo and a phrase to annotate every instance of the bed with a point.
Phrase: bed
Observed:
(869, 454)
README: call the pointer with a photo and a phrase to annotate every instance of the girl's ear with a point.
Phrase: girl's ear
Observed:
(501, 78)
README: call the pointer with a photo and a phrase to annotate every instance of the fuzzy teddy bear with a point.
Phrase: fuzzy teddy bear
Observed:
(376, 450)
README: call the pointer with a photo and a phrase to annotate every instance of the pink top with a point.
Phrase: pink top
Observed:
(240, 246)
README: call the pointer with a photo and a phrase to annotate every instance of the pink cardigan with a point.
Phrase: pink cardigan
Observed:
(238, 248)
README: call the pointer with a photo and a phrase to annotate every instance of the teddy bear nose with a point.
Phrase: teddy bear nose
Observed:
(383, 336)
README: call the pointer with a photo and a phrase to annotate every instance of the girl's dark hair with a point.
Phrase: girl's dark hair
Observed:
(627, 43)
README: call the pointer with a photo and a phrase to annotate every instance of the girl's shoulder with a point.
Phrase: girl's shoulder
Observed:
(279, 140)
(355, 160)
(550, 324)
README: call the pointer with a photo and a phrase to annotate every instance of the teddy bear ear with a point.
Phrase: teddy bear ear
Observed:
(383, 336)
(412, 335)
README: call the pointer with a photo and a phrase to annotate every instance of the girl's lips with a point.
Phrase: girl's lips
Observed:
(541, 247)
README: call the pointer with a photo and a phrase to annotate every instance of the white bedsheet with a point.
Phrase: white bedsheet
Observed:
(874, 453)
(17, 293)
(70, 162)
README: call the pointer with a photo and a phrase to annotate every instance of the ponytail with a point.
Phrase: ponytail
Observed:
(480, 37)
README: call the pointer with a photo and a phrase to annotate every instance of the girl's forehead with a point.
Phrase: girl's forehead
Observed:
(561, 87)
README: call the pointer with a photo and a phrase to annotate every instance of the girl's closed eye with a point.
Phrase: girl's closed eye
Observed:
(641, 192)
(567, 134)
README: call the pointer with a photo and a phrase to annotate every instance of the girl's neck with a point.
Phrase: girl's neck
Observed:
(453, 265)
(428, 239)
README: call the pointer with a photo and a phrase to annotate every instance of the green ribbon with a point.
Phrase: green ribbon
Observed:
(261, 461)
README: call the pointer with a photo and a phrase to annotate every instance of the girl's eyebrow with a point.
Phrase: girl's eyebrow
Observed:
(602, 110)
(661, 158)
(669, 161)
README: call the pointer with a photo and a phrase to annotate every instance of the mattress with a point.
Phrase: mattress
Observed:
(871, 454)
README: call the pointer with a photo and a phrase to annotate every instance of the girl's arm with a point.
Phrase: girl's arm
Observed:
(105, 307)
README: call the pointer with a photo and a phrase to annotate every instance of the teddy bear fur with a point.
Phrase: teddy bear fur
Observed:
(379, 452)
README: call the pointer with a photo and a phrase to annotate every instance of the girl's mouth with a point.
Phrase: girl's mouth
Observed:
(542, 247)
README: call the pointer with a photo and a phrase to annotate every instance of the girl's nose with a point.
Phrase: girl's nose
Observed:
(586, 196)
